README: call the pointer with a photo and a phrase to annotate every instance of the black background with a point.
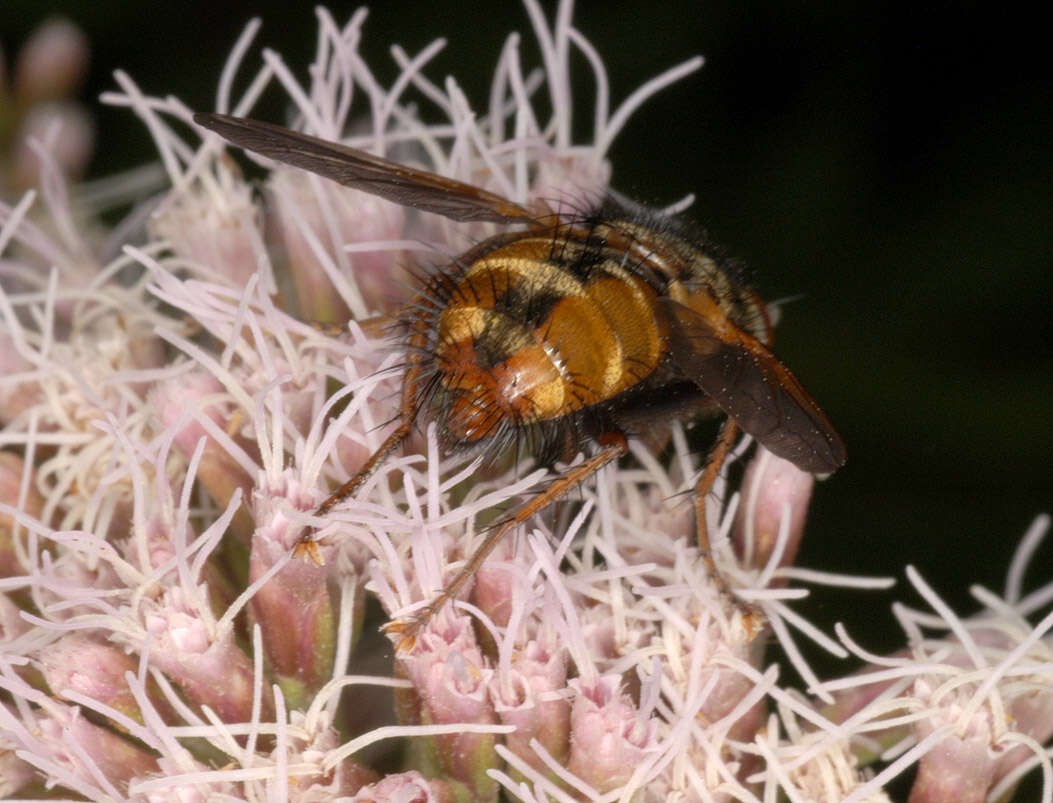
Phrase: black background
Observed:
(892, 164)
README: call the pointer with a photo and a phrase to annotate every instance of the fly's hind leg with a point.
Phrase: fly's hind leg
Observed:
(613, 446)
(752, 616)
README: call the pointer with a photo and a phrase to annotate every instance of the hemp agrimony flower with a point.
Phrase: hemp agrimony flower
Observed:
(172, 414)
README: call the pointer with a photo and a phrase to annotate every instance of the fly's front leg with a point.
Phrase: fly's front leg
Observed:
(306, 547)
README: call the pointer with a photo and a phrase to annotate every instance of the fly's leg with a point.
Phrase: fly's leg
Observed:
(613, 446)
(752, 617)
(306, 547)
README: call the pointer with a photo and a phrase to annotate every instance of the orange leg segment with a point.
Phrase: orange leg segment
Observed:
(753, 617)
(306, 547)
(613, 446)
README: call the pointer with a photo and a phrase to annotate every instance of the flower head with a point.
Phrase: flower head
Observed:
(174, 416)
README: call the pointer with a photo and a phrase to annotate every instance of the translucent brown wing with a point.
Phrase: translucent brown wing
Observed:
(353, 168)
(750, 384)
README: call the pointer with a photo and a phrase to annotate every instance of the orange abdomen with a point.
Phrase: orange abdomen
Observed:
(539, 328)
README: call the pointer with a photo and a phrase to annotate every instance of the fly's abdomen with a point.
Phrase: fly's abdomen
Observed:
(538, 329)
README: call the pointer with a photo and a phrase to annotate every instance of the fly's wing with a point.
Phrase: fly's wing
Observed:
(750, 384)
(353, 168)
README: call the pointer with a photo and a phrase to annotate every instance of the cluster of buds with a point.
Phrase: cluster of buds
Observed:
(171, 415)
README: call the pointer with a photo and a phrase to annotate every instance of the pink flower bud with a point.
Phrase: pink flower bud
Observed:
(52, 63)
(316, 220)
(81, 664)
(210, 668)
(531, 697)
(407, 787)
(962, 767)
(494, 585)
(218, 472)
(294, 608)
(451, 679)
(67, 576)
(97, 750)
(1032, 714)
(773, 489)
(346, 778)
(609, 738)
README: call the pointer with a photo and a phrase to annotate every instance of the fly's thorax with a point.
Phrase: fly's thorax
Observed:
(693, 271)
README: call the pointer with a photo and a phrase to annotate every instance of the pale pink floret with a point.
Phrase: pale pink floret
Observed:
(609, 736)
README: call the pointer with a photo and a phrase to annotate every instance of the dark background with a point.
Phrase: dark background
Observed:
(894, 165)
